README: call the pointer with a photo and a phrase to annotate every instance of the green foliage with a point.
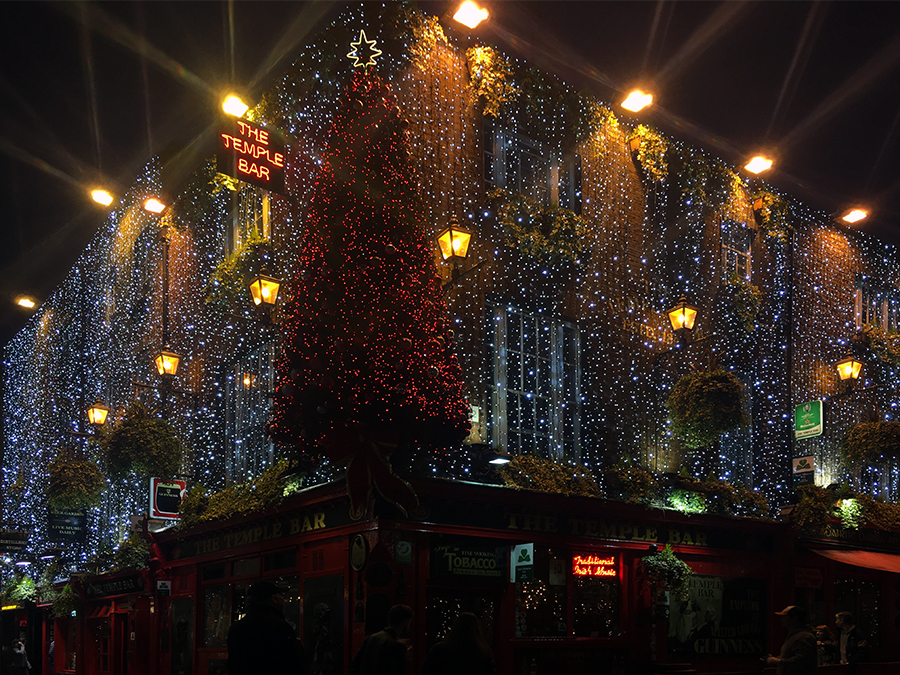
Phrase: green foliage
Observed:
(228, 284)
(665, 570)
(687, 501)
(573, 116)
(704, 405)
(529, 472)
(879, 514)
(850, 512)
(490, 78)
(267, 489)
(743, 300)
(538, 231)
(133, 553)
(815, 510)
(885, 344)
(651, 154)
(633, 484)
(19, 589)
(427, 35)
(715, 496)
(772, 215)
(142, 444)
(66, 602)
(74, 484)
(870, 442)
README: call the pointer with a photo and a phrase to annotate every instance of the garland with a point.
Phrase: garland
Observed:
(539, 231)
(228, 283)
(870, 442)
(706, 404)
(267, 489)
(743, 299)
(530, 472)
(142, 444)
(771, 213)
(74, 484)
(490, 78)
(650, 152)
(667, 571)
(885, 344)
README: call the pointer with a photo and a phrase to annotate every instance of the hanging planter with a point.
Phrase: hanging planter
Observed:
(771, 214)
(706, 404)
(144, 445)
(537, 231)
(649, 151)
(74, 484)
(665, 571)
(870, 442)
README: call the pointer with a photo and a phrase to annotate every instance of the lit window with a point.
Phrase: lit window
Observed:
(250, 391)
(520, 165)
(536, 398)
(736, 250)
(875, 307)
(253, 213)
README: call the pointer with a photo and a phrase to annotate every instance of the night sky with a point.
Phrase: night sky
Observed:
(92, 90)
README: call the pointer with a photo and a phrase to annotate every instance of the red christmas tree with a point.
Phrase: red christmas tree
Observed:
(367, 362)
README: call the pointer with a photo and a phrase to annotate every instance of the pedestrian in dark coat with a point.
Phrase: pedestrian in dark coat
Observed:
(851, 641)
(463, 652)
(263, 641)
(384, 652)
(798, 653)
(18, 663)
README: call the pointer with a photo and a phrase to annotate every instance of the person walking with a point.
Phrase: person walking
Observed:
(384, 652)
(18, 663)
(263, 641)
(852, 644)
(463, 652)
(826, 646)
(798, 653)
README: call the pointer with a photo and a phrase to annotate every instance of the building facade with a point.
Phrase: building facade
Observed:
(586, 229)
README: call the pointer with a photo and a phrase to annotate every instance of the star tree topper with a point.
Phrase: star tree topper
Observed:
(370, 47)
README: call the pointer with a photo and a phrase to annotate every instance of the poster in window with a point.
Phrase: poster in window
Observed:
(721, 617)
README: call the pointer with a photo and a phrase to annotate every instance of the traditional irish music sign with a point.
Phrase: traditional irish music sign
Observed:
(252, 154)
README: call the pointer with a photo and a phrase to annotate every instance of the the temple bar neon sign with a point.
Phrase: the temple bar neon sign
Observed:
(252, 154)
(593, 566)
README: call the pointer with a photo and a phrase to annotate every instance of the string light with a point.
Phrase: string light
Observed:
(647, 244)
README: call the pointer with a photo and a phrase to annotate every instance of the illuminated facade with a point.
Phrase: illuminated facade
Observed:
(562, 334)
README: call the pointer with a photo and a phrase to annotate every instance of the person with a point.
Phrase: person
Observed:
(851, 642)
(50, 655)
(263, 641)
(19, 664)
(826, 646)
(463, 652)
(798, 653)
(384, 652)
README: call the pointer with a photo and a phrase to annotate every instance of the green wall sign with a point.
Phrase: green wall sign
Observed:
(808, 420)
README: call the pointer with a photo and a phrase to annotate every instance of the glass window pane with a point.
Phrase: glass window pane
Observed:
(529, 374)
(527, 418)
(512, 411)
(216, 615)
(545, 378)
(541, 604)
(529, 336)
(514, 332)
(596, 604)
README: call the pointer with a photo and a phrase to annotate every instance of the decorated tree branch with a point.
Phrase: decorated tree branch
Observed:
(367, 363)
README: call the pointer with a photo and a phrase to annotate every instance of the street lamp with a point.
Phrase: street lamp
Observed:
(758, 164)
(154, 205)
(233, 105)
(167, 363)
(454, 242)
(854, 215)
(101, 196)
(470, 15)
(97, 414)
(682, 317)
(264, 289)
(637, 100)
(849, 367)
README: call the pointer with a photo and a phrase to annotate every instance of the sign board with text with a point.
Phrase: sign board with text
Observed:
(165, 497)
(808, 420)
(252, 154)
(803, 470)
(521, 563)
(66, 525)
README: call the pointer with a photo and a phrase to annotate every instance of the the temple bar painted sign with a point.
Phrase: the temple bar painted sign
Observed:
(104, 588)
(278, 527)
(600, 529)
(252, 154)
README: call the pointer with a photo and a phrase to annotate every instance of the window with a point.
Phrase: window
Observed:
(736, 250)
(541, 607)
(520, 165)
(876, 307)
(252, 212)
(250, 390)
(535, 398)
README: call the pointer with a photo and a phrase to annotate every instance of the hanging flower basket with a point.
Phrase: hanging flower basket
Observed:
(74, 484)
(664, 570)
(706, 404)
(869, 442)
(144, 445)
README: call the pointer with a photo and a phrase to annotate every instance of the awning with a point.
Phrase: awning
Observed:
(889, 562)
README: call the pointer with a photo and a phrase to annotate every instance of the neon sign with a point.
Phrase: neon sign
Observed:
(594, 566)
(252, 154)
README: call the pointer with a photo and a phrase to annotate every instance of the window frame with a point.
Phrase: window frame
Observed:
(734, 260)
